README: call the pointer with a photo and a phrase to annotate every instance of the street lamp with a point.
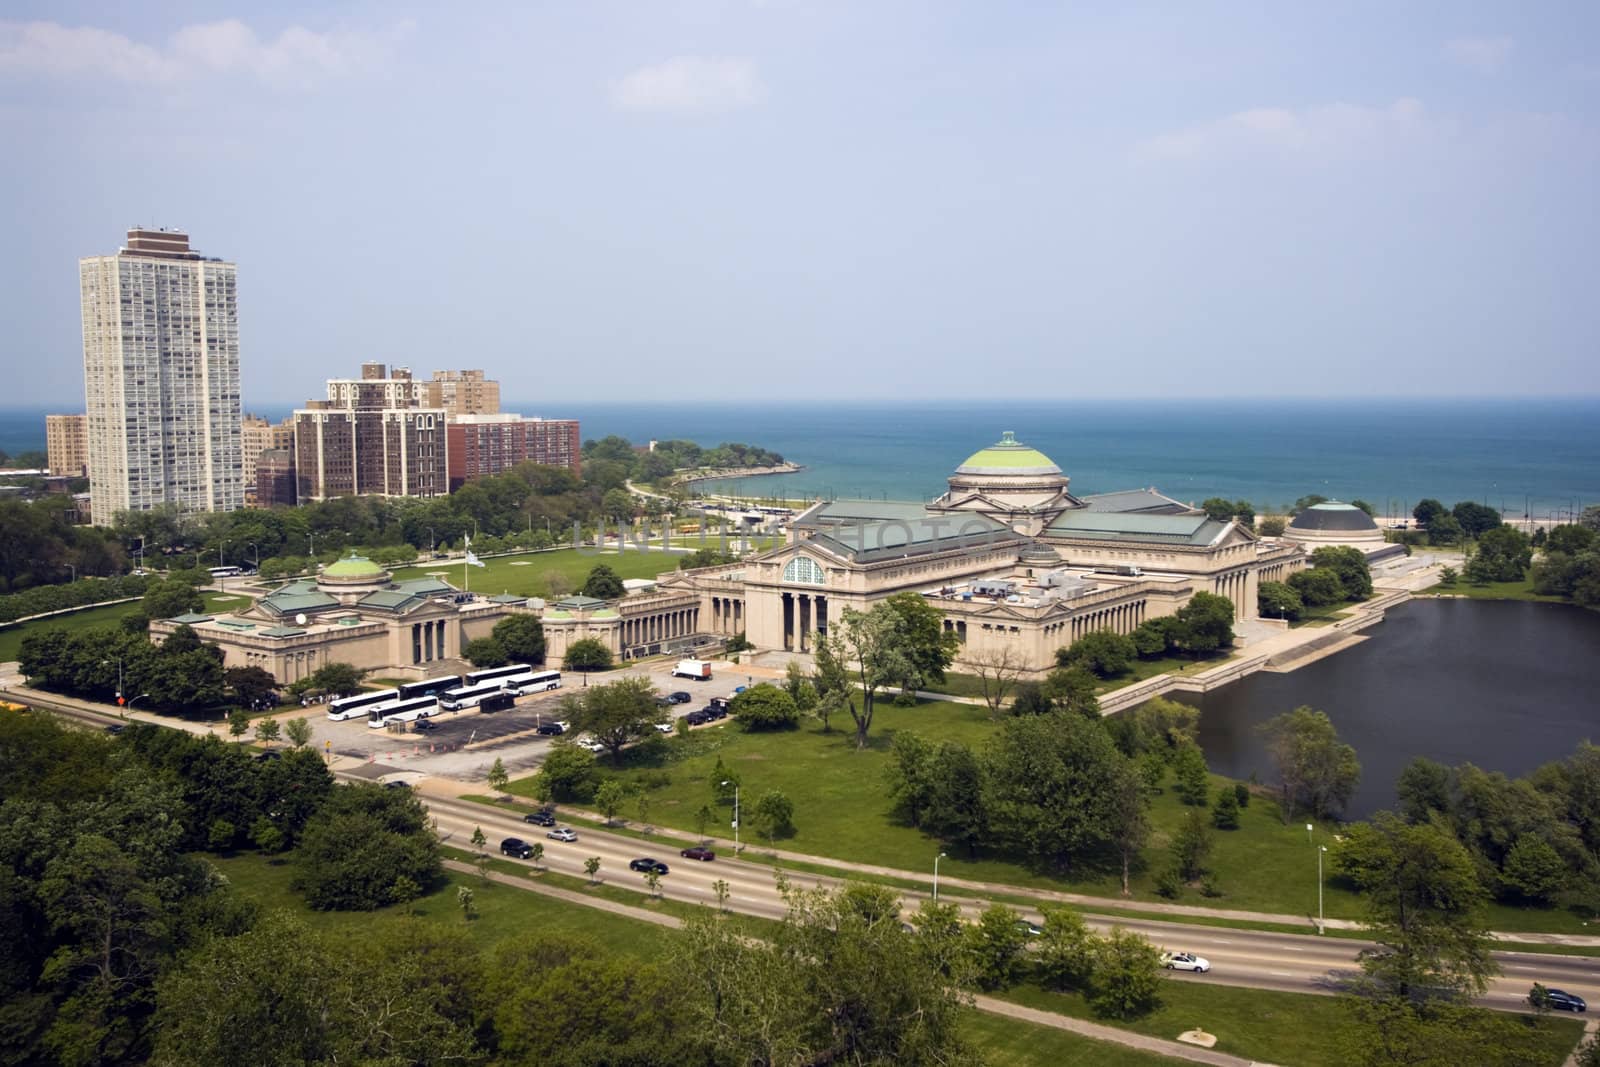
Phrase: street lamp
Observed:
(1320, 850)
(1308, 833)
(936, 860)
(141, 696)
(735, 815)
(74, 570)
(106, 662)
(221, 562)
(255, 554)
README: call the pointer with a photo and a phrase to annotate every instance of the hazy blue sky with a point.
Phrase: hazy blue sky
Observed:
(851, 200)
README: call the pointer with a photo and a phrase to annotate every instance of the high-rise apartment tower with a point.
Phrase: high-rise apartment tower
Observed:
(161, 377)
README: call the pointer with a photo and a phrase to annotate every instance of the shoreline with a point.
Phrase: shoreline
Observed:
(743, 472)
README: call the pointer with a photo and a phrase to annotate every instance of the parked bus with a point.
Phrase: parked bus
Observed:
(226, 572)
(429, 687)
(538, 682)
(469, 696)
(403, 711)
(511, 676)
(362, 704)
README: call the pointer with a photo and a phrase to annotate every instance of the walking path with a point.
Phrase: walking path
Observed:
(1589, 1030)
(993, 1006)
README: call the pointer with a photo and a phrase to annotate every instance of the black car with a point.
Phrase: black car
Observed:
(645, 864)
(698, 718)
(516, 846)
(263, 757)
(716, 711)
(424, 725)
(1560, 1000)
(540, 818)
(551, 729)
(115, 728)
(680, 697)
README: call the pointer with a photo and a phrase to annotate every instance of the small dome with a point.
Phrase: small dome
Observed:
(1040, 554)
(354, 567)
(1334, 517)
(1008, 457)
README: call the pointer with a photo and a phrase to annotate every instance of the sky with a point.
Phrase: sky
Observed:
(831, 201)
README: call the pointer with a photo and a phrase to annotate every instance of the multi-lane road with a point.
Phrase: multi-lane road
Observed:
(1297, 963)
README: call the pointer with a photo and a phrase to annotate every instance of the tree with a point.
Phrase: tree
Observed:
(909, 775)
(251, 687)
(603, 583)
(1428, 511)
(926, 647)
(1153, 637)
(1192, 786)
(1276, 600)
(467, 902)
(1158, 726)
(997, 943)
(1191, 844)
(1222, 509)
(1072, 690)
(872, 641)
(1049, 783)
(362, 840)
(1316, 772)
(1129, 813)
(1127, 975)
(170, 598)
(299, 732)
(1364, 506)
(609, 798)
(536, 854)
(998, 669)
(238, 722)
(498, 778)
(1105, 653)
(569, 772)
(591, 867)
(615, 714)
(587, 654)
(1475, 518)
(1065, 951)
(522, 637)
(1030, 700)
(1225, 814)
(1272, 525)
(1445, 530)
(334, 679)
(268, 731)
(703, 817)
(774, 815)
(1350, 564)
(652, 882)
(485, 652)
(1422, 789)
(1534, 869)
(1207, 622)
(765, 707)
(1503, 555)
(954, 802)
(1424, 906)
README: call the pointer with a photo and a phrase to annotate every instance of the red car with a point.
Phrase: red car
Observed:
(698, 853)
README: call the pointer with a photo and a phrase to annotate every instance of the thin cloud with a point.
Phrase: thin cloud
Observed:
(295, 56)
(1482, 54)
(689, 85)
(1323, 131)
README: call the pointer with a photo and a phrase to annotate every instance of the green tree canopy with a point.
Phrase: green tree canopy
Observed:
(765, 707)
(616, 713)
(522, 637)
(1317, 772)
(587, 654)
(1105, 653)
(602, 583)
(363, 838)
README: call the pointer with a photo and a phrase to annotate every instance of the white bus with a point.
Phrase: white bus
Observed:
(538, 682)
(404, 711)
(511, 676)
(470, 696)
(226, 572)
(429, 687)
(362, 704)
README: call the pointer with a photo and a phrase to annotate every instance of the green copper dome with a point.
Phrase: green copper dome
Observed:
(1008, 456)
(354, 567)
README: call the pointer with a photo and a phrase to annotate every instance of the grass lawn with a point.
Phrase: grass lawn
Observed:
(970, 685)
(1522, 590)
(101, 615)
(1259, 1024)
(528, 574)
(1322, 615)
(842, 811)
(1012, 1043)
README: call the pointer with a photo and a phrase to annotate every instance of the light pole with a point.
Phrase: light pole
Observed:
(255, 554)
(313, 538)
(431, 542)
(1308, 833)
(735, 815)
(936, 860)
(74, 570)
(221, 562)
(141, 696)
(119, 676)
(1320, 850)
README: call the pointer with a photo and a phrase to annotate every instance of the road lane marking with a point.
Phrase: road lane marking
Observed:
(1282, 974)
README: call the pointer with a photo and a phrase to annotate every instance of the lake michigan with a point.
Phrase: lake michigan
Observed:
(1542, 455)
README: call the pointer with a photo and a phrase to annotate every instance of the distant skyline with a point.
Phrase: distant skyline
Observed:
(777, 200)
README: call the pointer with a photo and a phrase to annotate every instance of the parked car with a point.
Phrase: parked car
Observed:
(540, 818)
(115, 728)
(424, 725)
(516, 846)
(551, 729)
(664, 727)
(717, 711)
(698, 718)
(590, 743)
(270, 754)
(1185, 961)
(1560, 1000)
(680, 697)
(564, 833)
(1029, 929)
(397, 785)
(698, 852)
(645, 863)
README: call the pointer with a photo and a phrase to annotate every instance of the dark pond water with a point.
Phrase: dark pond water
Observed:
(1504, 685)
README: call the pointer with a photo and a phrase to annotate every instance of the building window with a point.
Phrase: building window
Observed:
(804, 571)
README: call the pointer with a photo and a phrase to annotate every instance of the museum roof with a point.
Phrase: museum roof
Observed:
(1334, 516)
(1132, 526)
(866, 531)
(1008, 456)
(189, 618)
(301, 596)
(579, 603)
(354, 567)
(1142, 501)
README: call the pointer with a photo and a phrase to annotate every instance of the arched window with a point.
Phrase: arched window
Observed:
(803, 570)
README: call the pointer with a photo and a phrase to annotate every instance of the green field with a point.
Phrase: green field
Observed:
(1522, 590)
(1257, 1024)
(103, 615)
(528, 574)
(1011, 1043)
(842, 811)
(970, 685)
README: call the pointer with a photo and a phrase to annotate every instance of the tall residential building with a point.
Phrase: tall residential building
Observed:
(67, 444)
(462, 392)
(371, 436)
(275, 478)
(490, 444)
(255, 437)
(161, 377)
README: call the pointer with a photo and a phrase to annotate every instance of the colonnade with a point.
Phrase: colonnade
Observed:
(1119, 618)
(660, 626)
(803, 615)
(427, 641)
(727, 615)
(1236, 587)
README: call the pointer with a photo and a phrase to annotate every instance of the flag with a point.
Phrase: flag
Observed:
(474, 560)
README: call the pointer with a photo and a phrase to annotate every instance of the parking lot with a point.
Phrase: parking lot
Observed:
(463, 745)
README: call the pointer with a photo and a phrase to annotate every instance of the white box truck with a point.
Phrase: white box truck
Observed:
(699, 669)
